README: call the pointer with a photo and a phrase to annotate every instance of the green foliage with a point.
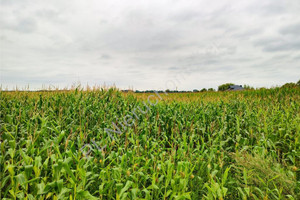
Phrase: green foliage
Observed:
(262, 176)
(211, 145)
(225, 86)
(289, 85)
(203, 90)
(248, 87)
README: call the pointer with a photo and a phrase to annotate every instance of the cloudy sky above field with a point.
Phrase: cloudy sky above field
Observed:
(149, 44)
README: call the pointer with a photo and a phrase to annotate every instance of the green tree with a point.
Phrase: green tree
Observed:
(225, 86)
(211, 89)
(203, 90)
(289, 85)
(248, 87)
(298, 83)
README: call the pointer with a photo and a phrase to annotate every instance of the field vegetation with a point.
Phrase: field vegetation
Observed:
(210, 145)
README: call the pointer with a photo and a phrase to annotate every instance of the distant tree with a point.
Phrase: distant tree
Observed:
(225, 86)
(195, 90)
(203, 90)
(211, 89)
(289, 85)
(298, 83)
(248, 87)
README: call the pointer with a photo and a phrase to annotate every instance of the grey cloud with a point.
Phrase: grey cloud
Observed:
(293, 30)
(27, 25)
(105, 56)
(297, 57)
(47, 13)
(282, 45)
(145, 44)
(188, 15)
(9, 2)
(279, 43)
(273, 7)
(249, 33)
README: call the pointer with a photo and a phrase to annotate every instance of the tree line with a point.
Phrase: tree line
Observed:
(222, 87)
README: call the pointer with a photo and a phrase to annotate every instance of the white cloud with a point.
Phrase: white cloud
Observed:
(147, 44)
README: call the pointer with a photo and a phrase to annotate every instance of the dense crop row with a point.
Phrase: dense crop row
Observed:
(214, 145)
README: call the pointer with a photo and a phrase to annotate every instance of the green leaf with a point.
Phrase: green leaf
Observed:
(21, 180)
(126, 187)
(66, 167)
(85, 195)
(63, 192)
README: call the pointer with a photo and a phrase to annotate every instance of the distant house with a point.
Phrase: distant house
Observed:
(127, 90)
(235, 88)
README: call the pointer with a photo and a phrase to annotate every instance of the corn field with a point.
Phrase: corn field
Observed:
(105, 144)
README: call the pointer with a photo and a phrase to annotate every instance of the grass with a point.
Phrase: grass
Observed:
(212, 145)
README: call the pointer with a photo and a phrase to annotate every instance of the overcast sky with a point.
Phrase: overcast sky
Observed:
(155, 44)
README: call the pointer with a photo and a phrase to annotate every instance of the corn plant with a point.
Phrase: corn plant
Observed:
(213, 145)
